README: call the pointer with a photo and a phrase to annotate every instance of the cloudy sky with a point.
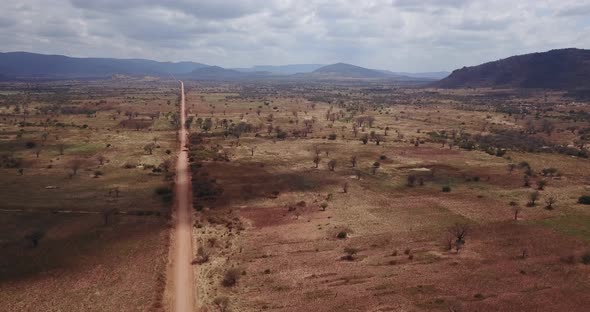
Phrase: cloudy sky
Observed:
(401, 35)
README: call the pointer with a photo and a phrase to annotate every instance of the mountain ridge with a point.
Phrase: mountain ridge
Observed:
(555, 69)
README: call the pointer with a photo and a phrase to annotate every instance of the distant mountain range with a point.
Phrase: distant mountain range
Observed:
(31, 65)
(282, 69)
(24, 65)
(564, 69)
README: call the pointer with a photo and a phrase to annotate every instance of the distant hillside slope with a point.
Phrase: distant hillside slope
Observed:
(27, 65)
(556, 69)
(217, 73)
(289, 69)
(349, 71)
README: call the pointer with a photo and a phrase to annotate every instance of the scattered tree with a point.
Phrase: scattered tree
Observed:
(411, 180)
(533, 197)
(222, 304)
(332, 165)
(101, 159)
(75, 165)
(353, 160)
(106, 214)
(516, 210)
(231, 278)
(149, 148)
(459, 232)
(35, 237)
(550, 201)
(316, 161)
(376, 166)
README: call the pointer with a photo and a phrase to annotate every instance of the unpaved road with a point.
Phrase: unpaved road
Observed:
(183, 250)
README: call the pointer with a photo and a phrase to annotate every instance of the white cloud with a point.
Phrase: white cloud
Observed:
(403, 35)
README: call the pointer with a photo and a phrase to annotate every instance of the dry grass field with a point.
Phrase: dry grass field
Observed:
(278, 233)
(77, 181)
(327, 197)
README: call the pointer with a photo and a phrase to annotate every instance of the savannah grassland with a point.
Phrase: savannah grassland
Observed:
(276, 233)
(75, 173)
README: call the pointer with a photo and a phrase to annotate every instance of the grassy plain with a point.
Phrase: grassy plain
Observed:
(71, 156)
(277, 220)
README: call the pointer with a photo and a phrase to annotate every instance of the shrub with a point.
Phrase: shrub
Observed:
(446, 189)
(342, 235)
(166, 193)
(332, 137)
(350, 252)
(586, 258)
(411, 180)
(584, 200)
(163, 190)
(202, 256)
(230, 278)
(129, 166)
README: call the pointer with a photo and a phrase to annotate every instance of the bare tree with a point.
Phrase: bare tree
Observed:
(332, 165)
(411, 180)
(378, 139)
(75, 165)
(222, 304)
(365, 138)
(316, 160)
(106, 213)
(376, 166)
(149, 148)
(516, 210)
(550, 201)
(533, 197)
(101, 159)
(35, 237)
(547, 127)
(459, 232)
(353, 161)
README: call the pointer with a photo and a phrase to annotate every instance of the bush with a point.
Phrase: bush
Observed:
(230, 278)
(129, 166)
(586, 258)
(584, 200)
(163, 190)
(166, 193)
(342, 235)
(446, 189)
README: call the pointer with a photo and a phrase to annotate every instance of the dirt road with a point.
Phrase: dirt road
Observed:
(183, 252)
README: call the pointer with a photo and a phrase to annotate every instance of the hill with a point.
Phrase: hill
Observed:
(32, 65)
(563, 69)
(289, 69)
(343, 70)
(217, 73)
